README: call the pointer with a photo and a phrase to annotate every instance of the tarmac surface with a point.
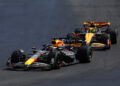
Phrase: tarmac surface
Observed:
(27, 23)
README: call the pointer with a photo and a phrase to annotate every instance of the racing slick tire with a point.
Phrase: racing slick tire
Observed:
(113, 35)
(78, 30)
(55, 59)
(70, 35)
(84, 54)
(106, 40)
(17, 56)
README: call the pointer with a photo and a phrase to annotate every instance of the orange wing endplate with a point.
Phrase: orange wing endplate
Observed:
(97, 24)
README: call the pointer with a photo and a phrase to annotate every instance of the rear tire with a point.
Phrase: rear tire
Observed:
(106, 40)
(78, 30)
(70, 35)
(113, 35)
(55, 59)
(84, 54)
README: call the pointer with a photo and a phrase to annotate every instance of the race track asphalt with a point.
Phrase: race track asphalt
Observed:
(27, 23)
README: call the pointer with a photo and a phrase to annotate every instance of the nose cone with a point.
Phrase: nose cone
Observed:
(30, 61)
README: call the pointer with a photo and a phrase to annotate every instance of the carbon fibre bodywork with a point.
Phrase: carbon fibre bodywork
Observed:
(47, 58)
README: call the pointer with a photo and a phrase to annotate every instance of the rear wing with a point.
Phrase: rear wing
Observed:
(97, 24)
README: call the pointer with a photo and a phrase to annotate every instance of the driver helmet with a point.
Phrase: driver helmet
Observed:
(57, 43)
(93, 30)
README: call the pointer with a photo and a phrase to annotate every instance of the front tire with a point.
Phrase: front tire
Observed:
(17, 56)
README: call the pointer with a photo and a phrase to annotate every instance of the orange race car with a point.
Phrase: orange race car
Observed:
(96, 34)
